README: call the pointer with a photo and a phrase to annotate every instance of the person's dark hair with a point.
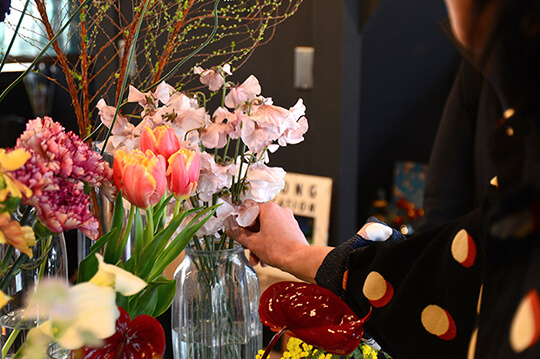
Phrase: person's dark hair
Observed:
(515, 44)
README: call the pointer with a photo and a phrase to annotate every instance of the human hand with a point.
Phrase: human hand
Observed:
(278, 241)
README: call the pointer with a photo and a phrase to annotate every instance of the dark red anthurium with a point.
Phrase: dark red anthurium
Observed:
(313, 314)
(140, 338)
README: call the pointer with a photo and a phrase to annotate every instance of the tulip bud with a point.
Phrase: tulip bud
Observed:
(161, 141)
(183, 173)
(140, 176)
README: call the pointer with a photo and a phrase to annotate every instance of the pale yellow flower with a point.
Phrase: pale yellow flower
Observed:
(4, 299)
(11, 161)
(20, 237)
(80, 315)
(124, 282)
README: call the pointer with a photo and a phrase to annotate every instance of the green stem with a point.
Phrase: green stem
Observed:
(4, 59)
(214, 31)
(125, 236)
(19, 79)
(4, 265)
(9, 276)
(149, 226)
(177, 208)
(9, 342)
(43, 264)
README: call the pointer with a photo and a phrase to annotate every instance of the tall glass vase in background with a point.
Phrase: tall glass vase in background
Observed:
(215, 311)
(49, 260)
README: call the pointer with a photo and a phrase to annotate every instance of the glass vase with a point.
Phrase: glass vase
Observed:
(215, 313)
(49, 261)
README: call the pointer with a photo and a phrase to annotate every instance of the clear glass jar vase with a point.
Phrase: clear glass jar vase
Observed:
(215, 313)
(49, 261)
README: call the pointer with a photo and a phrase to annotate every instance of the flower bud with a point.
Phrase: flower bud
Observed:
(183, 173)
(161, 141)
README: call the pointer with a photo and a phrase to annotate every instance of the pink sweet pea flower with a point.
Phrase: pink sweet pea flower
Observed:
(211, 78)
(161, 140)
(183, 173)
(140, 176)
(247, 91)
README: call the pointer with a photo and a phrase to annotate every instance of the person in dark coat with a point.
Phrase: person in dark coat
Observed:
(469, 287)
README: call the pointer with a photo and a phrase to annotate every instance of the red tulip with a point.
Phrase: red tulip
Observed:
(140, 176)
(313, 314)
(161, 140)
(183, 173)
(143, 337)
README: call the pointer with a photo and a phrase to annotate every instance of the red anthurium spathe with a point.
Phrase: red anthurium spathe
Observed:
(183, 173)
(141, 176)
(142, 337)
(161, 140)
(313, 314)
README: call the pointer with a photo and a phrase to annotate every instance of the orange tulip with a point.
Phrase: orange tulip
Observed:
(183, 173)
(140, 176)
(162, 141)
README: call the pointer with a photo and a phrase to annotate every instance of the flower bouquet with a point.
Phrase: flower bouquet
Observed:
(217, 292)
(47, 173)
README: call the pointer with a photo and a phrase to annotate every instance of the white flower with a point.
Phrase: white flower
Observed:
(264, 182)
(295, 133)
(121, 280)
(213, 177)
(80, 315)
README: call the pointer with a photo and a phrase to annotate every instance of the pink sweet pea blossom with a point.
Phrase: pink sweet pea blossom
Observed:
(213, 177)
(247, 91)
(106, 113)
(264, 182)
(295, 133)
(216, 133)
(211, 77)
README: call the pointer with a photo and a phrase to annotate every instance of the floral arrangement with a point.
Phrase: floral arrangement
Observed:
(47, 173)
(231, 144)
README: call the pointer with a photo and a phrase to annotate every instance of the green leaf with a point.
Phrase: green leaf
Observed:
(154, 300)
(158, 244)
(88, 266)
(166, 290)
(144, 302)
(117, 222)
(180, 241)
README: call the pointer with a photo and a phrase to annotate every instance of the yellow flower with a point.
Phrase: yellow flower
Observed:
(20, 237)
(4, 299)
(11, 161)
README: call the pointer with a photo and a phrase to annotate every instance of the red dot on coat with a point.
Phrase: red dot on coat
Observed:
(525, 328)
(464, 249)
(439, 322)
(377, 290)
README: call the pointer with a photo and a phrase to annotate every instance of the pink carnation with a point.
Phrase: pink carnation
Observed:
(65, 207)
(59, 165)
